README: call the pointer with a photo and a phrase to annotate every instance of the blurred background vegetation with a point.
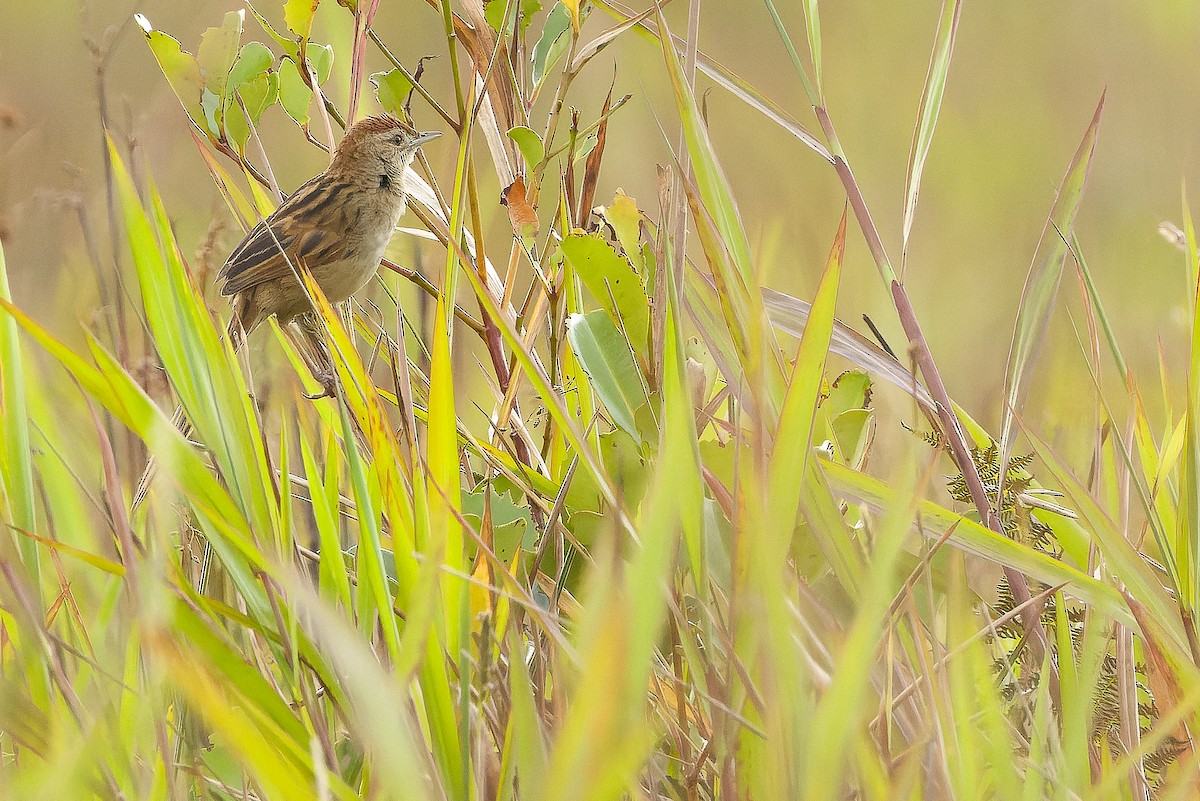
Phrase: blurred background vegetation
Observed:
(729, 612)
(1025, 80)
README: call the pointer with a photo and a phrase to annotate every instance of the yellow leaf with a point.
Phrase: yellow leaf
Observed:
(573, 7)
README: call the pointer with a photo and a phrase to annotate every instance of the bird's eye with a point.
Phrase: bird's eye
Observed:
(397, 140)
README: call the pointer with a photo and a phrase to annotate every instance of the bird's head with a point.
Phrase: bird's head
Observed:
(379, 146)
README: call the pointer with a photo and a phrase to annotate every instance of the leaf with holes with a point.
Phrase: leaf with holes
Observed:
(612, 281)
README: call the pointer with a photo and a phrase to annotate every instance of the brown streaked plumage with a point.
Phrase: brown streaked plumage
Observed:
(337, 226)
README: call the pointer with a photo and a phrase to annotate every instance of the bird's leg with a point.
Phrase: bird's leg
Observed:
(309, 339)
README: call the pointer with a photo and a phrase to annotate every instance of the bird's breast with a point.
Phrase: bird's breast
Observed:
(367, 238)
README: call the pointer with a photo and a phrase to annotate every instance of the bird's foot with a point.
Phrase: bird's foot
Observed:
(328, 387)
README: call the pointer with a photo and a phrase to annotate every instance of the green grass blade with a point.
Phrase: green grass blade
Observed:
(797, 419)
(973, 538)
(931, 105)
(16, 463)
(810, 13)
(1041, 285)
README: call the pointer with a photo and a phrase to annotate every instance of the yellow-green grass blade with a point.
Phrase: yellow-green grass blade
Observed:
(16, 462)
(373, 703)
(379, 488)
(930, 107)
(218, 516)
(275, 761)
(199, 364)
(334, 581)
(1121, 559)
(1097, 304)
(812, 26)
(98, 562)
(444, 486)
(726, 243)
(814, 32)
(446, 547)
(840, 711)
(750, 337)
(797, 419)
(1185, 548)
(734, 84)
(679, 440)
(1042, 282)
(980, 754)
(974, 538)
(714, 187)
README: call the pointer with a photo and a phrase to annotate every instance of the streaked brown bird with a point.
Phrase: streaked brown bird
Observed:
(337, 227)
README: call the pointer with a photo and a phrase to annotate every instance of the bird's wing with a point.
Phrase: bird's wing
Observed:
(306, 227)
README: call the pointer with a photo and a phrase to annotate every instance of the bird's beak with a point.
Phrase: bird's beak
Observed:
(425, 136)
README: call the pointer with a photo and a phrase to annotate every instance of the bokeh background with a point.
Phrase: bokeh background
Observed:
(1025, 81)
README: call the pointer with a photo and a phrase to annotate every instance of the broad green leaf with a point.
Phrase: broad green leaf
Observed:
(391, 89)
(613, 283)
(214, 119)
(1041, 284)
(931, 105)
(254, 59)
(530, 145)
(512, 526)
(849, 391)
(628, 466)
(849, 429)
(288, 44)
(294, 94)
(623, 215)
(606, 357)
(218, 50)
(259, 93)
(180, 68)
(298, 16)
(552, 44)
(321, 58)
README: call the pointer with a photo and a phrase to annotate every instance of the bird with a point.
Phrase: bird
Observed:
(336, 227)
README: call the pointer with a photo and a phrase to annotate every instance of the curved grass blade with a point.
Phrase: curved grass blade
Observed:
(1041, 285)
(814, 31)
(16, 463)
(797, 418)
(971, 537)
(927, 114)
